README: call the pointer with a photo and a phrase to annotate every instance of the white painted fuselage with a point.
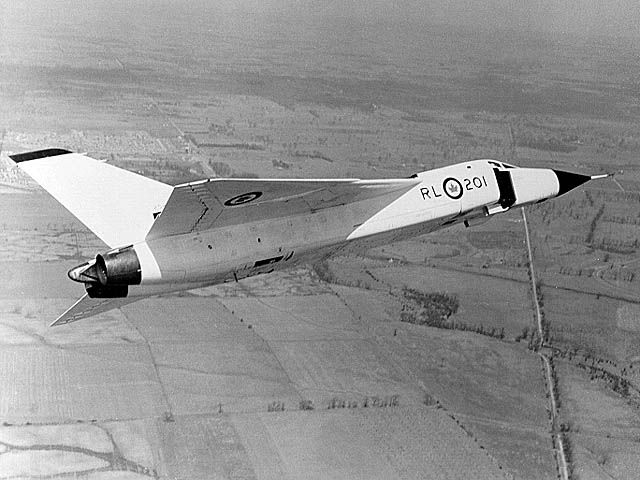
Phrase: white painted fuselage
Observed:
(467, 192)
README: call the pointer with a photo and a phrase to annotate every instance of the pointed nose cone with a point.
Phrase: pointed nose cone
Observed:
(568, 181)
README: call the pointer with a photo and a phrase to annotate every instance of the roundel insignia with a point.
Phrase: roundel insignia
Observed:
(242, 199)
(452, 187)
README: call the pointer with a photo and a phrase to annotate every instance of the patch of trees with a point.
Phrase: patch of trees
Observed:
(167, 417)
(530, 335)
(275, 406)
(492, 332)
(524, 335)
(432, 309)
(618, 274)
(599, 369)
(338, 402)
(280, 164)
(615, 382)
(306, 405)
(368, 402)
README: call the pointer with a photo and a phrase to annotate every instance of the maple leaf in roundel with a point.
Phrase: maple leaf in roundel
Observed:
(453, 188)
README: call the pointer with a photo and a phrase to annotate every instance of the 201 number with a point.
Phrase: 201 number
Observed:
(475, 182)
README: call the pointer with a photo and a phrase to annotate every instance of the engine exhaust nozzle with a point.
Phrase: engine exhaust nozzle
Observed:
(119, 267)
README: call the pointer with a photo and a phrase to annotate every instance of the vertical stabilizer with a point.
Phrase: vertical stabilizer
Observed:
(117, 205)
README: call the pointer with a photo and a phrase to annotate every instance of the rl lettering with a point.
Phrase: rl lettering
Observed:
(430, 193)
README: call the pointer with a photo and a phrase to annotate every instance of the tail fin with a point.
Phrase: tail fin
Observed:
(117, 205)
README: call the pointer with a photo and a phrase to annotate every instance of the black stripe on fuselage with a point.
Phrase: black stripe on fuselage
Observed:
(268, 261)
(48, 152)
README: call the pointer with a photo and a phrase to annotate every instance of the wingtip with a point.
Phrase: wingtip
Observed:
(58, 322)
(36, 154)
(65, 318)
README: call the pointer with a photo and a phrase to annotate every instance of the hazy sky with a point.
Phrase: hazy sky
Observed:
(571, 16)
(617, 17)
(613, 17)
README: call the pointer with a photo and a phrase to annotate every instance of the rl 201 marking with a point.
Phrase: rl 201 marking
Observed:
(242, 199)
(452, 187)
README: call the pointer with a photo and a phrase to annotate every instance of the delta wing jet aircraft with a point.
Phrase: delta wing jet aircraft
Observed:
(168, 238)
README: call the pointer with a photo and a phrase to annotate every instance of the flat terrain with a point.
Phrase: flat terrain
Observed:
(312, 373)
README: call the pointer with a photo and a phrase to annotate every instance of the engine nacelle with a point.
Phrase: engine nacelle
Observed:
(119, 267)
(109, 275)
(132, 265)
